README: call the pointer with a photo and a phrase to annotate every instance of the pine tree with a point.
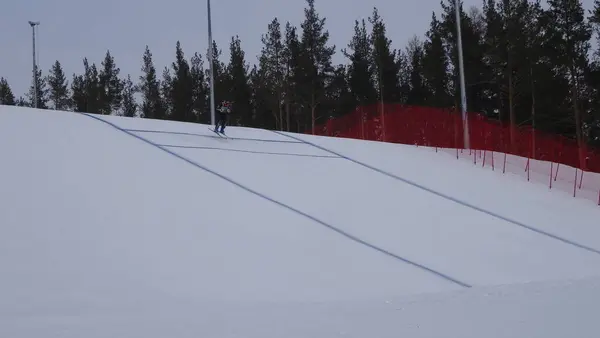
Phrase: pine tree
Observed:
(315, 62)
(569, 37)
(477, 78)
(383, 61)
(181, 88)
(261, 112)
(479, 85)
(340, 98)
(595, 15)
(200, 90)
(240, 92)
(292, 77)
(519, 60)
(595, 22)
(130, 107)
(166, 89)
(92, 89)
(435, 66)
(42, 92)
(110, 86)
(78, 94)
(404, 69)
(273, 71)
(153, 106)
(221, 78)
(418, 94)
(495, 45)
(59, 87)
(22, 102)
(360, 73)
(593, 80)
(6, 95)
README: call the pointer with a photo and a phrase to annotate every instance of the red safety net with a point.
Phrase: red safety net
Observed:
(443, 128)
(436, 127)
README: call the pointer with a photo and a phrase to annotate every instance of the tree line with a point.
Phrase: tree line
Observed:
(525, 64)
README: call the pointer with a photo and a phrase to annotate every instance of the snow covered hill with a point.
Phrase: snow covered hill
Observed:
(117, 227)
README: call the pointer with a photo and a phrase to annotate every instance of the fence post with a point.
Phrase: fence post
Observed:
(575, 183)
(382, 122)
(551, 166)
(484, 153)
(362, 123)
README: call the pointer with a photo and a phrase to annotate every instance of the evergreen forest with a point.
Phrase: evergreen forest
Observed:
(527, 63)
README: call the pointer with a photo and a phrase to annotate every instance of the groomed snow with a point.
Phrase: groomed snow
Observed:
(117, 227)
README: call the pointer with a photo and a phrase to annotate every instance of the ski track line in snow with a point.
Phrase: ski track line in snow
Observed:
(246, 151)
(442, 195)
(211, 136)
(299, 212)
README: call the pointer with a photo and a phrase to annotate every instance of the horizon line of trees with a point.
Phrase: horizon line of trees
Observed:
(525, 65)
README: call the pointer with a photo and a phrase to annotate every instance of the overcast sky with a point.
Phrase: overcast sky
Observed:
(73, 29)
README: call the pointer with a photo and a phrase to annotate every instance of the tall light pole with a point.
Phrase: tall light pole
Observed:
(461, 70)
(35, 84)
(212, 74)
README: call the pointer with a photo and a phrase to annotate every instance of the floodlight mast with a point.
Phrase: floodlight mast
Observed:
(210, 60)
(33, 24)
(461, 70)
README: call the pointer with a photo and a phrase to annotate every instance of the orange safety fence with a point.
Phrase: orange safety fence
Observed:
(438, 127)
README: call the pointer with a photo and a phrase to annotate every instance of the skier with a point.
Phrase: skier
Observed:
(222, 116)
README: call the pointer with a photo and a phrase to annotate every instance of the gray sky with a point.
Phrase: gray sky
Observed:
(73, 29)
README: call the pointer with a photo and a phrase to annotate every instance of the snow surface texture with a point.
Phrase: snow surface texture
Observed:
(116, 227)
(558, 177)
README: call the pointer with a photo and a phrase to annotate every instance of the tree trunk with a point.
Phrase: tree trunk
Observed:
(511, 110)
(286, 103)
(313, 107)
(277, 122)
(280, 110)
(578, 121)
(287, 117)
(579, 129)
(533, 149)
(382, 121)
(500, 90)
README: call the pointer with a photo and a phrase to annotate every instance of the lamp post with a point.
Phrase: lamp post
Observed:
(33, 24)
(210, 59)
(461, 70)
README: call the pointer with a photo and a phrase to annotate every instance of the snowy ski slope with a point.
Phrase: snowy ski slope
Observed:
(117, 227)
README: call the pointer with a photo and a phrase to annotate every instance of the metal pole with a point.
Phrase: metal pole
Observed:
(212, 74)
(35, 84)
(461, 69)
(382, 104)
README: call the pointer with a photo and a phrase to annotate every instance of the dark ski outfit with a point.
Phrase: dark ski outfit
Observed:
(222, 116)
